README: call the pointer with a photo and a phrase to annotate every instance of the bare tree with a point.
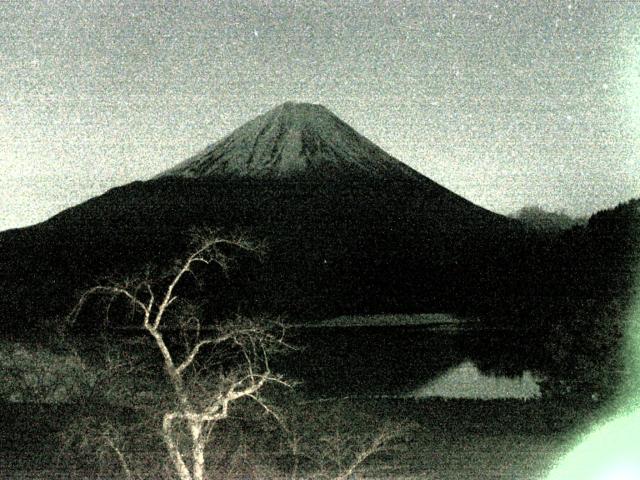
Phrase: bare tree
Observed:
(202, 395)
(350, 454)
(337, 439)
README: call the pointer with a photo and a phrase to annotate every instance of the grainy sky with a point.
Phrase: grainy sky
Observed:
(506, 103)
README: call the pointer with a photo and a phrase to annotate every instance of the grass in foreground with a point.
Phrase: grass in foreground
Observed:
(459, 439)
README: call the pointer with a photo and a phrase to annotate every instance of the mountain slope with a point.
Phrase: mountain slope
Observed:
(349, 229)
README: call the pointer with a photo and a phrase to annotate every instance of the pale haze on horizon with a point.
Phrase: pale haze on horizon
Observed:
(507, 104)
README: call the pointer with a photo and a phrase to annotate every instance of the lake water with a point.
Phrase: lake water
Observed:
(450, 360)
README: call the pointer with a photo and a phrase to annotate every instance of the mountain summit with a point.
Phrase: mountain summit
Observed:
(293, 139)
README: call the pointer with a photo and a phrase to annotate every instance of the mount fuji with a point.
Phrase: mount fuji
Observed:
(348, 228)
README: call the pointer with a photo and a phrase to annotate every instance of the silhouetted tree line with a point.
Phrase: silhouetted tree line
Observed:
(539, 219)
(571, 290)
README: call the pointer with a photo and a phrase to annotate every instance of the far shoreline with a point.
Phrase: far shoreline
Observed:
(431, 320)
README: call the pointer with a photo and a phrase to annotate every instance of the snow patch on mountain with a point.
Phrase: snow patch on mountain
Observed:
(290, 139)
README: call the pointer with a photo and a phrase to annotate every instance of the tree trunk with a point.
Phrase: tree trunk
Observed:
(174, 452)
(198, 449)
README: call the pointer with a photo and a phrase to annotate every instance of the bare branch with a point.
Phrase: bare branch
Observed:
(192, 355)
(387, 434)
(112, 291)
(118, 452)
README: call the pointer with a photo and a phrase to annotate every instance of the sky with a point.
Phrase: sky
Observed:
(506, 103)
